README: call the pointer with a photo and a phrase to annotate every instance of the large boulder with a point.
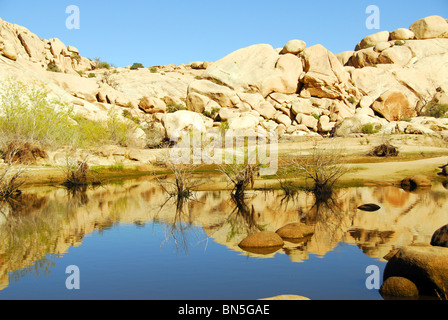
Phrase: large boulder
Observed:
(394, 105)
(365, 58)
(9, 51)
(152, 105)
(325, 76)
(223, 95)
(247, 121)
(399, 55)
(373, 39)
(430, 27)
(294, 47)
(425, 266)
(285, 78)
(181, 122)
(402, 34)
(33, 45)
(246, 69)
(398, 287)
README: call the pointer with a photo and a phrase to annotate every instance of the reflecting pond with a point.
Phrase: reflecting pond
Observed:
(130, 241)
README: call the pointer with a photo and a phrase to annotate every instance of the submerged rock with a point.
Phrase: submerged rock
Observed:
(425, 266)
(295, 231)
(399, 287)
(440, 237)
(264, 239)
(371, 207)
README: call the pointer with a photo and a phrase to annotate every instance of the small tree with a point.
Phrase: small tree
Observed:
(137, 66)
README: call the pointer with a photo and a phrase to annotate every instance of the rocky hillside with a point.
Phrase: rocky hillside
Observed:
(387, 84)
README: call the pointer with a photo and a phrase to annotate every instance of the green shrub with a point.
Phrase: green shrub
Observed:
(75, 56)
(352, 100)
(400, 43)
(437, 110)
(171, 107)
(53, 67)
(211, 114)
(91, 75)
(370, 128)
(29, 114)
(136, 66)
(153, 70)
(128, 115)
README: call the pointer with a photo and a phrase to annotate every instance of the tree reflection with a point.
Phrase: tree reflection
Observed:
(181, 228)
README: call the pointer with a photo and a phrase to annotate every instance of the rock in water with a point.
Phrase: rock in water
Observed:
(371, 207)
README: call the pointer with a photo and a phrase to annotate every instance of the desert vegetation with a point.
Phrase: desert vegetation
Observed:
(31, 116)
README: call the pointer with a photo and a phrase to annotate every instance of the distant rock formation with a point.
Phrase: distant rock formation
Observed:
(295, 90)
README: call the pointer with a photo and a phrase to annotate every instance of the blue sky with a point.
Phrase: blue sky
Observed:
(181, 31)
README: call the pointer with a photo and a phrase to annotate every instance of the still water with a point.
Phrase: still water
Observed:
(130, 241)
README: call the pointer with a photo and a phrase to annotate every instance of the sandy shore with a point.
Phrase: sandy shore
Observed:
(419, 155)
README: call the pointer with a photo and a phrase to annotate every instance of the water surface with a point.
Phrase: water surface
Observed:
(130, 241)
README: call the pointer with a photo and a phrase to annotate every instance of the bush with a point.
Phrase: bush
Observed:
(136, 66)
(53, 67)
(171, 107)
(437, 110)
(29, 115)
(91, 75)
(370, 128)
(153, 70)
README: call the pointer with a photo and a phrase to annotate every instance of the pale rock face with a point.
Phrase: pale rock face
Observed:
(430, 27)
(365, 58)
(282, 118)
(245, 69)
(400, 55)
(366, 102)
(224, 96)
(402, 34)
(152, 105)
(373, 39)
(247, 121)
(197, 102)
(33, 45)
(225, 114)
(285, 79)
(303, 106)
(180, 122)
(72, 49)
(345, 57)
(393, 105)
(265, 109)
(294, 47)
(308, 121)
(9, 51)
(57, 47)
(381, 46)
(325, 125)
(325, 76)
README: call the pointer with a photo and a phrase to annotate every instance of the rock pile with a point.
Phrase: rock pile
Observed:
(386, 82)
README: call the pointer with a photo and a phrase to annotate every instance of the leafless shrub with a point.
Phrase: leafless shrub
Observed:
(324, 166)
(384, 150)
